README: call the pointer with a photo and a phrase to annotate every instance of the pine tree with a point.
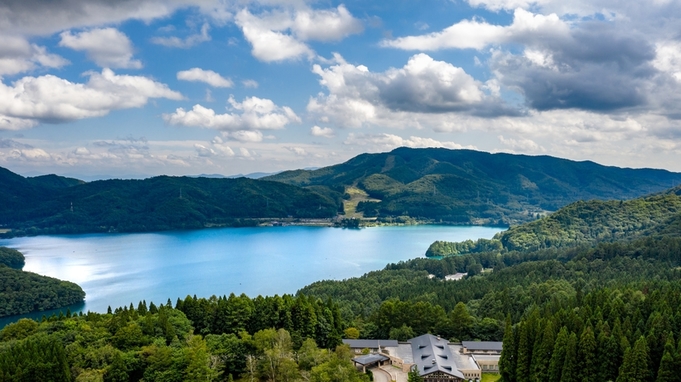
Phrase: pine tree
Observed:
(587, 356)
(524, 353)
(507, 362)
(570, 372)
(558, 356)
(635, 365)
(667, 371)
(541, 357)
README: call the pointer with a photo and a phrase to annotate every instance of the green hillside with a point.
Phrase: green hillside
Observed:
(60, 205)
(25, 292)
(582, 222)
(465, 186)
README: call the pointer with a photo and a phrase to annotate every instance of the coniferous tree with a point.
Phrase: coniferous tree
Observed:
(635, 365)
(541, 356)
(668, 371)
(558, 356)
(586, 356)
(570, 372)
(524, 358)
(507, 362)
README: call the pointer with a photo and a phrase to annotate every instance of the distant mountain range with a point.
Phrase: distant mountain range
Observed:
(468, 186)
(437, 185)
(52, 204)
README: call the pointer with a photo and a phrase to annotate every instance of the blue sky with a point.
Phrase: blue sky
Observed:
(94, 88)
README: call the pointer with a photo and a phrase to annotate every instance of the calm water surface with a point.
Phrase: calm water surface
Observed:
(117, 269)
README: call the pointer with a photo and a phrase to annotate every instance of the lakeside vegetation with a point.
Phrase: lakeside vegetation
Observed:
(580, 223)
(24, 292)
(216, 339)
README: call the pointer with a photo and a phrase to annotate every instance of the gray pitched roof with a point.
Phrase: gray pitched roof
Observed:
(370, 344)
(370, 359)
(433, 354)
(482, 345)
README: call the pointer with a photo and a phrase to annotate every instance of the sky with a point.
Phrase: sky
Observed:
(135, 88)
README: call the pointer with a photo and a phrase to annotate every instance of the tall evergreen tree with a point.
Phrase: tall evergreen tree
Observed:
(570, 371)
(668, 371)
(558, 356)
(507, 362)
(635, 365)
(586, 356)
(541, 356)
(524, 352)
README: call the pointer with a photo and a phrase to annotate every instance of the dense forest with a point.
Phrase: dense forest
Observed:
(472, 187)
(218, 339)
(24, 292)
(581, 223)
(51, 204)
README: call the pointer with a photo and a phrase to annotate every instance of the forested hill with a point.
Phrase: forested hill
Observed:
(468, 186)
(582, 223)
(24, 292)
(52, 204)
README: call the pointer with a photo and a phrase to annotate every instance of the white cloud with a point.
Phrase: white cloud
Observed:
(250, 84)
(390, 141)
(52, 99)
(407, 96)
(207, 76)
(280, 35)
(668, 58)
(17, 55)
(244, 135)
(523, 145)
(325, 132)
(325, 25)
(270, 45)
(476, 34)
(184, 43)
(107, 47)
(255, 114)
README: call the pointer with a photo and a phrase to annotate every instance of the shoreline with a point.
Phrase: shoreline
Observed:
(336, 222)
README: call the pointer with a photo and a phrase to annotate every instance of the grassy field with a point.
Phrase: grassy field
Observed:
(488, 377)
(356, 196)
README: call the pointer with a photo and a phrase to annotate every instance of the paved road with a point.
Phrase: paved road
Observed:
(380, 375)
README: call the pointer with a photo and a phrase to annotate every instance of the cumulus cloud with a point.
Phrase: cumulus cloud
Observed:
(390, 141)
(270, 45)
(184, 43)
(476, 34)
(325, 132)
(252, 113)
(17, 55)
(206, 76)
(52, 99)
(107, 47)
(281, 35)
(357, 96)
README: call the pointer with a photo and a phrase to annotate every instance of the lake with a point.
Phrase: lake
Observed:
(117, 269)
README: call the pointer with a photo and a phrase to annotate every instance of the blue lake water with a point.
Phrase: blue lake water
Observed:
(117, 269)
